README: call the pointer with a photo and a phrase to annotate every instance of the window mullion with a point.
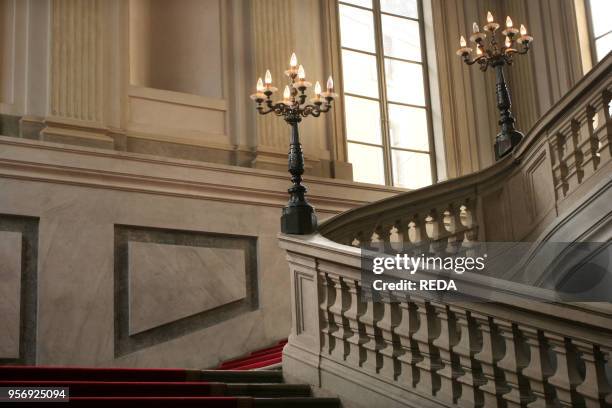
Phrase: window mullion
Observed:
(426, 85)
(382, 90)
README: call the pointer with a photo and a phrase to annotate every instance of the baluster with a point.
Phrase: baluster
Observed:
(417, 235)
(405, 329)
(470, 227)
(327, 322)
(571, 156)
(429, 359)
(594, 387)
(359, 241)
(434, 228)
(365, 239)
(560, 171)
(578, 155)
(467, 345)
(376, 242)
(604, 136)
(445, 342)
(452, 225)
(368, 339)
(589, 142)
(539, 368)
(602, 368)
(390, 347)
(355, 354)
(511, 364)
(400, 241)
(488, 355)
(384, 236)
(566, 376)
(342, 330)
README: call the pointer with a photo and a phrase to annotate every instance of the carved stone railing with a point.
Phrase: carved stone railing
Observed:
(523, 348)
(563, 155)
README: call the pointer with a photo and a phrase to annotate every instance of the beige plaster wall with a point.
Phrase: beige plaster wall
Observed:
(81, 199)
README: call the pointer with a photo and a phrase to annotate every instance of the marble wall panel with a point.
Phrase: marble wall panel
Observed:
(10, 293)
(170, 282)
(18, 289)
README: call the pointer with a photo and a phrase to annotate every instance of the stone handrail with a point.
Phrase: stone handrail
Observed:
(418, 351)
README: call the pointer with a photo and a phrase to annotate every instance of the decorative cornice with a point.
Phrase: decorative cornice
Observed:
(98, 168)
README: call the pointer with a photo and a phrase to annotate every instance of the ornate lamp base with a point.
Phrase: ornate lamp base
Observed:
(506, 142)
(298, 219)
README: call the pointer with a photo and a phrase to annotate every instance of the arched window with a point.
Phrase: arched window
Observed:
(386, 96)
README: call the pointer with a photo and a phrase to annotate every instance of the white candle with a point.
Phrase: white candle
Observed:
(268, 77)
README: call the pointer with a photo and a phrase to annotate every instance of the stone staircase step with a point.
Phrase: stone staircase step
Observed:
(297, 402)
(268, 390)
(241, 376)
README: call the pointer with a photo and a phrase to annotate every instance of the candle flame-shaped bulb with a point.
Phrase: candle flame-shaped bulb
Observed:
(508, 43)
(508, 22)
(293, 60)
(475, 28)
(317, 89)
(287, 92)
(301, 72)
(462, 42)
(330, 84)
(478, 51)
(260, 85)
(489, 17)
(523, 30)
(268, 77)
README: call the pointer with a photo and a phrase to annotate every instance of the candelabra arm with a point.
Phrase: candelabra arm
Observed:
(298, 216)
(509, 137)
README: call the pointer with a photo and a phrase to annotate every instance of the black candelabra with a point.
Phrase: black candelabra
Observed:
(492, 53)
(298, 216)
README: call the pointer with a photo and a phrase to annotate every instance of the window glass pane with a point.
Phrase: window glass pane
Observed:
(362, 3)
(357, 28)
(406, 8)
(362, 120)
(401, 38)
(411, 170)
(359, 73)
(404, 82)
(408, 127)
(601, 14)
(603, 46)
(368, 164)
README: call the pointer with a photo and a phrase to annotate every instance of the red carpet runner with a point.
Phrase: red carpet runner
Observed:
(233, 384)
(267, 357)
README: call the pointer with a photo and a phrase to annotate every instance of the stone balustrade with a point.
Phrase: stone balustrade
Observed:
(563, 155)
(418, 351)
(523, 348)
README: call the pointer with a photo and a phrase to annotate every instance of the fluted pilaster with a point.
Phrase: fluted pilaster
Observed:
(77, 60)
